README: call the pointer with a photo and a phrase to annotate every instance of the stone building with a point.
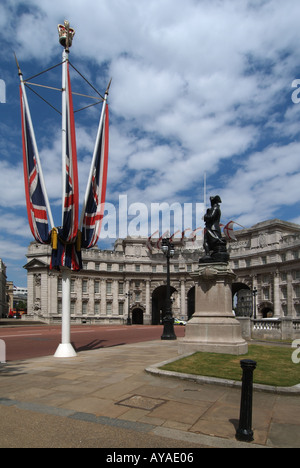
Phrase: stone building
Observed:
(266, 260)
(130, 280)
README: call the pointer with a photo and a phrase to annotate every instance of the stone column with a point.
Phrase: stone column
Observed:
(183, 312)
(103, 297)
(276, 302)
(148, 308)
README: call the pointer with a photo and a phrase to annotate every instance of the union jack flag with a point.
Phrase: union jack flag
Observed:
(35, 198)
(71, 198)
(94, 209)
(67, 253)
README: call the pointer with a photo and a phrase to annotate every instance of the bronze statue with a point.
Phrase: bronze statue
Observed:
(214, 244)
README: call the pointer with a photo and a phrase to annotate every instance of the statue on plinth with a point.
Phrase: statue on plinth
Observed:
(215, 245)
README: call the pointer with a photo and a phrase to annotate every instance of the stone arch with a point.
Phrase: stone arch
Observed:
(242, 299)
(158, 303)
(137, 316)
(191, 302)
(266, 309)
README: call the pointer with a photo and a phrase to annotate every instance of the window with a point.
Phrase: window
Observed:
(284, 309)
(59, 307)
(72, 286)
(108, 308)
(189, 268)
(283, 276)
(84, 308)
(266, 293)
(108, 288)
(109, 267)
(297, 291)
(284, 292)
(97, 287)
(154, 269)
(296, 275)
(266, 279)
(97, 308)
(137, 268)
(137, 296)
(97, 266)
(84, 286)
(121, 267)
(121, 288)
(59, 285)
(121, 308)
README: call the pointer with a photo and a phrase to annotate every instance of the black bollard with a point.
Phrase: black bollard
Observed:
(245, 432)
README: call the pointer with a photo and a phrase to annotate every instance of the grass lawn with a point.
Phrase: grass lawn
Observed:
(274, 365)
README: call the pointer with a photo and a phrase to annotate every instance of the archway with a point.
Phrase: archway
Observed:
(158, 303)
(242, 300)
(137, 317)
(191, 302)
(266, 309)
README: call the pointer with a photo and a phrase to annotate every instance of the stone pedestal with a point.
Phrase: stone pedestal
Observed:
(213, 327)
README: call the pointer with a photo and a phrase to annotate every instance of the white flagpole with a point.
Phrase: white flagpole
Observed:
(65, 349)
(94, 156)
(43, 185)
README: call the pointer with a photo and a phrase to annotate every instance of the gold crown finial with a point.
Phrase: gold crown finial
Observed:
(66, 34)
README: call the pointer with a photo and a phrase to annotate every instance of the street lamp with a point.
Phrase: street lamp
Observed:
(168, 320)
(128, 294)
(254, 292)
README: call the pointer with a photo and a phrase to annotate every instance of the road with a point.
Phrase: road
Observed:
(26, 342)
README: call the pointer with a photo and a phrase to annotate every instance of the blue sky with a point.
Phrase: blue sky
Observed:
(199, 86)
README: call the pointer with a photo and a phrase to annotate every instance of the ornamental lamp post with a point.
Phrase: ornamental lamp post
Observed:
(168, 320)
(254, 292)
(129, 295)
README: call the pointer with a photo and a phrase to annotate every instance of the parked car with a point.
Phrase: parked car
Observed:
(179, 322)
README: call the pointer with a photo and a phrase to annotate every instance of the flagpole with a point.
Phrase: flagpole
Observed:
(94, 157)
(63, 127)
(65, 349)
(37, 156)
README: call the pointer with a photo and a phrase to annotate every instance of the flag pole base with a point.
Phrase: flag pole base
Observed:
(65, 350)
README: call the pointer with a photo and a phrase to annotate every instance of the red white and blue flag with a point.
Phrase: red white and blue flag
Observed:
(35, 198)
(70, 172)
(94, 209)
(67, 253)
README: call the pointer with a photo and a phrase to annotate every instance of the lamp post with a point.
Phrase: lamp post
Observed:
(254, 292)
(128, 294)
(168, 320)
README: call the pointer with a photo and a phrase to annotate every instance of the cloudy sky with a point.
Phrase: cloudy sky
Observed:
(199, 87)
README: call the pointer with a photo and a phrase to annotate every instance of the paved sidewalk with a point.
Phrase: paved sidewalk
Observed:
(105, 398)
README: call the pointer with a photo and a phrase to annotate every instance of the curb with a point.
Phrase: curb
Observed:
(201, 379)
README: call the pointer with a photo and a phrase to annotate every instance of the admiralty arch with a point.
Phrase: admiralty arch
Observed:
(129, 281)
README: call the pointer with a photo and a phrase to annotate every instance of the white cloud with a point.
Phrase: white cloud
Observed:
(199, 87)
